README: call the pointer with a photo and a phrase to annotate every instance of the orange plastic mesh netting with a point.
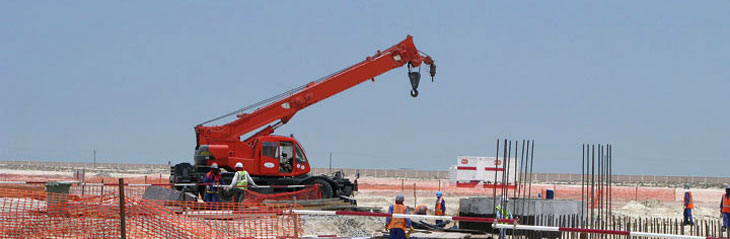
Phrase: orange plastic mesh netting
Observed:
(33, 214)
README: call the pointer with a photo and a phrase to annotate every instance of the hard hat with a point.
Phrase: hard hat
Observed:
(686, 185)
(439, 194)
(727, 188)
(238, 165)
(214, 166)
(399, 198)
(421, 209)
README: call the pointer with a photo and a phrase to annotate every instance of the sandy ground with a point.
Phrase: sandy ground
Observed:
(380, 192)
(654, 208)
(9, 174)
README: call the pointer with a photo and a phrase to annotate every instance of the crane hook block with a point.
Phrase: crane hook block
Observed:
(415, 78)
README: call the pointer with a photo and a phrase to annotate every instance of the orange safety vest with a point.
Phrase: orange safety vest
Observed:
(439, 210)
(690, 202)
(398, 222)
(725, 204)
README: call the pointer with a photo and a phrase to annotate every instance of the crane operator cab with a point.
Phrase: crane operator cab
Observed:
(285, 155)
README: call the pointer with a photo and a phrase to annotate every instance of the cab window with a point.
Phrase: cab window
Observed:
(270, 149)
(300, 156)
(287, 150)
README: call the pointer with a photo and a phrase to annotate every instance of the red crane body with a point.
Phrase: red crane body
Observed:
(257, 152)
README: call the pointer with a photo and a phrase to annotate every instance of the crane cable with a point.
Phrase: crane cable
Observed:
(283, 95)
(273, 98)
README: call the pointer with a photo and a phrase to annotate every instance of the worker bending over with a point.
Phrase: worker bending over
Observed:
(212, 181)
(421, 209)
(725, 208)
(688, 206)
(440, 208)
(397, 226)
(239, 184)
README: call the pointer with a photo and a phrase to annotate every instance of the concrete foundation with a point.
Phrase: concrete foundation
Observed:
(528, 207)
(525, 210)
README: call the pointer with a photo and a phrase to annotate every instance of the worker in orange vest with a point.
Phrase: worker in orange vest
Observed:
(725, 208)
(397, 226)
(688, 206)
(440, 208)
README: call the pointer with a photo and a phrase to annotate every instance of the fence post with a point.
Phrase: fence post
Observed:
(101, 199)
(122, 226)
(83, 184)
(415, 198)
(294, 217)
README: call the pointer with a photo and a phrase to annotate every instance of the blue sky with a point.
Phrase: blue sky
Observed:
(131, 79)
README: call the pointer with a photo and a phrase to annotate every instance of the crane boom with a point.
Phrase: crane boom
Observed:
(398, 55)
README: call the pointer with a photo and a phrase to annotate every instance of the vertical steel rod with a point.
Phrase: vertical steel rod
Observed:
(504, 155)
(518, 176)
(505, 171)
(524, 187)
(593, 180)
(494, 183)
(582, 180)
(610, 179)
(598, 185)
(532, 161)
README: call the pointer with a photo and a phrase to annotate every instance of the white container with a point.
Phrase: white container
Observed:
(472, 170)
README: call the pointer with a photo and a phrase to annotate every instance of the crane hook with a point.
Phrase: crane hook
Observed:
(414, 93)
(415, 78)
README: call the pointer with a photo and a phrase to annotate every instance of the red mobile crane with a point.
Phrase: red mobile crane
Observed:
(280, 160)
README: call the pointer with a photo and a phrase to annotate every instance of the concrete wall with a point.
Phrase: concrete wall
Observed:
(485, 206)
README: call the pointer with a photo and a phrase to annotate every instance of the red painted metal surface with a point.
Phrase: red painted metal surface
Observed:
(226, 148)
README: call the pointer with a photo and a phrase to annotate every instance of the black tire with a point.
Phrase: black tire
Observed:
(324, 187)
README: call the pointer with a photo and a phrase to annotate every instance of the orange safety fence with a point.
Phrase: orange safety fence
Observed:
(250, 196)
(137, 191)
(34, 214)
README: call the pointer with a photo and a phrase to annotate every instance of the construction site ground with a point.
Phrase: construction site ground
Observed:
(377, 192)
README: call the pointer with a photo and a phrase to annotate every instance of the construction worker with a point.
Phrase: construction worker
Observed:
(725, 208)
(503, 213)
(688, 206)
(212, 180)
(397, 226)
(421, 209)
(239, 184)
(440, 208)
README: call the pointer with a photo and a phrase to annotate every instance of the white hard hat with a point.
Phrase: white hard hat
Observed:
(214, 166)
(238, 165)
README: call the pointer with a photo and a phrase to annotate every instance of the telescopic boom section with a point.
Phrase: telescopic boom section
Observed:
(402, 53)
